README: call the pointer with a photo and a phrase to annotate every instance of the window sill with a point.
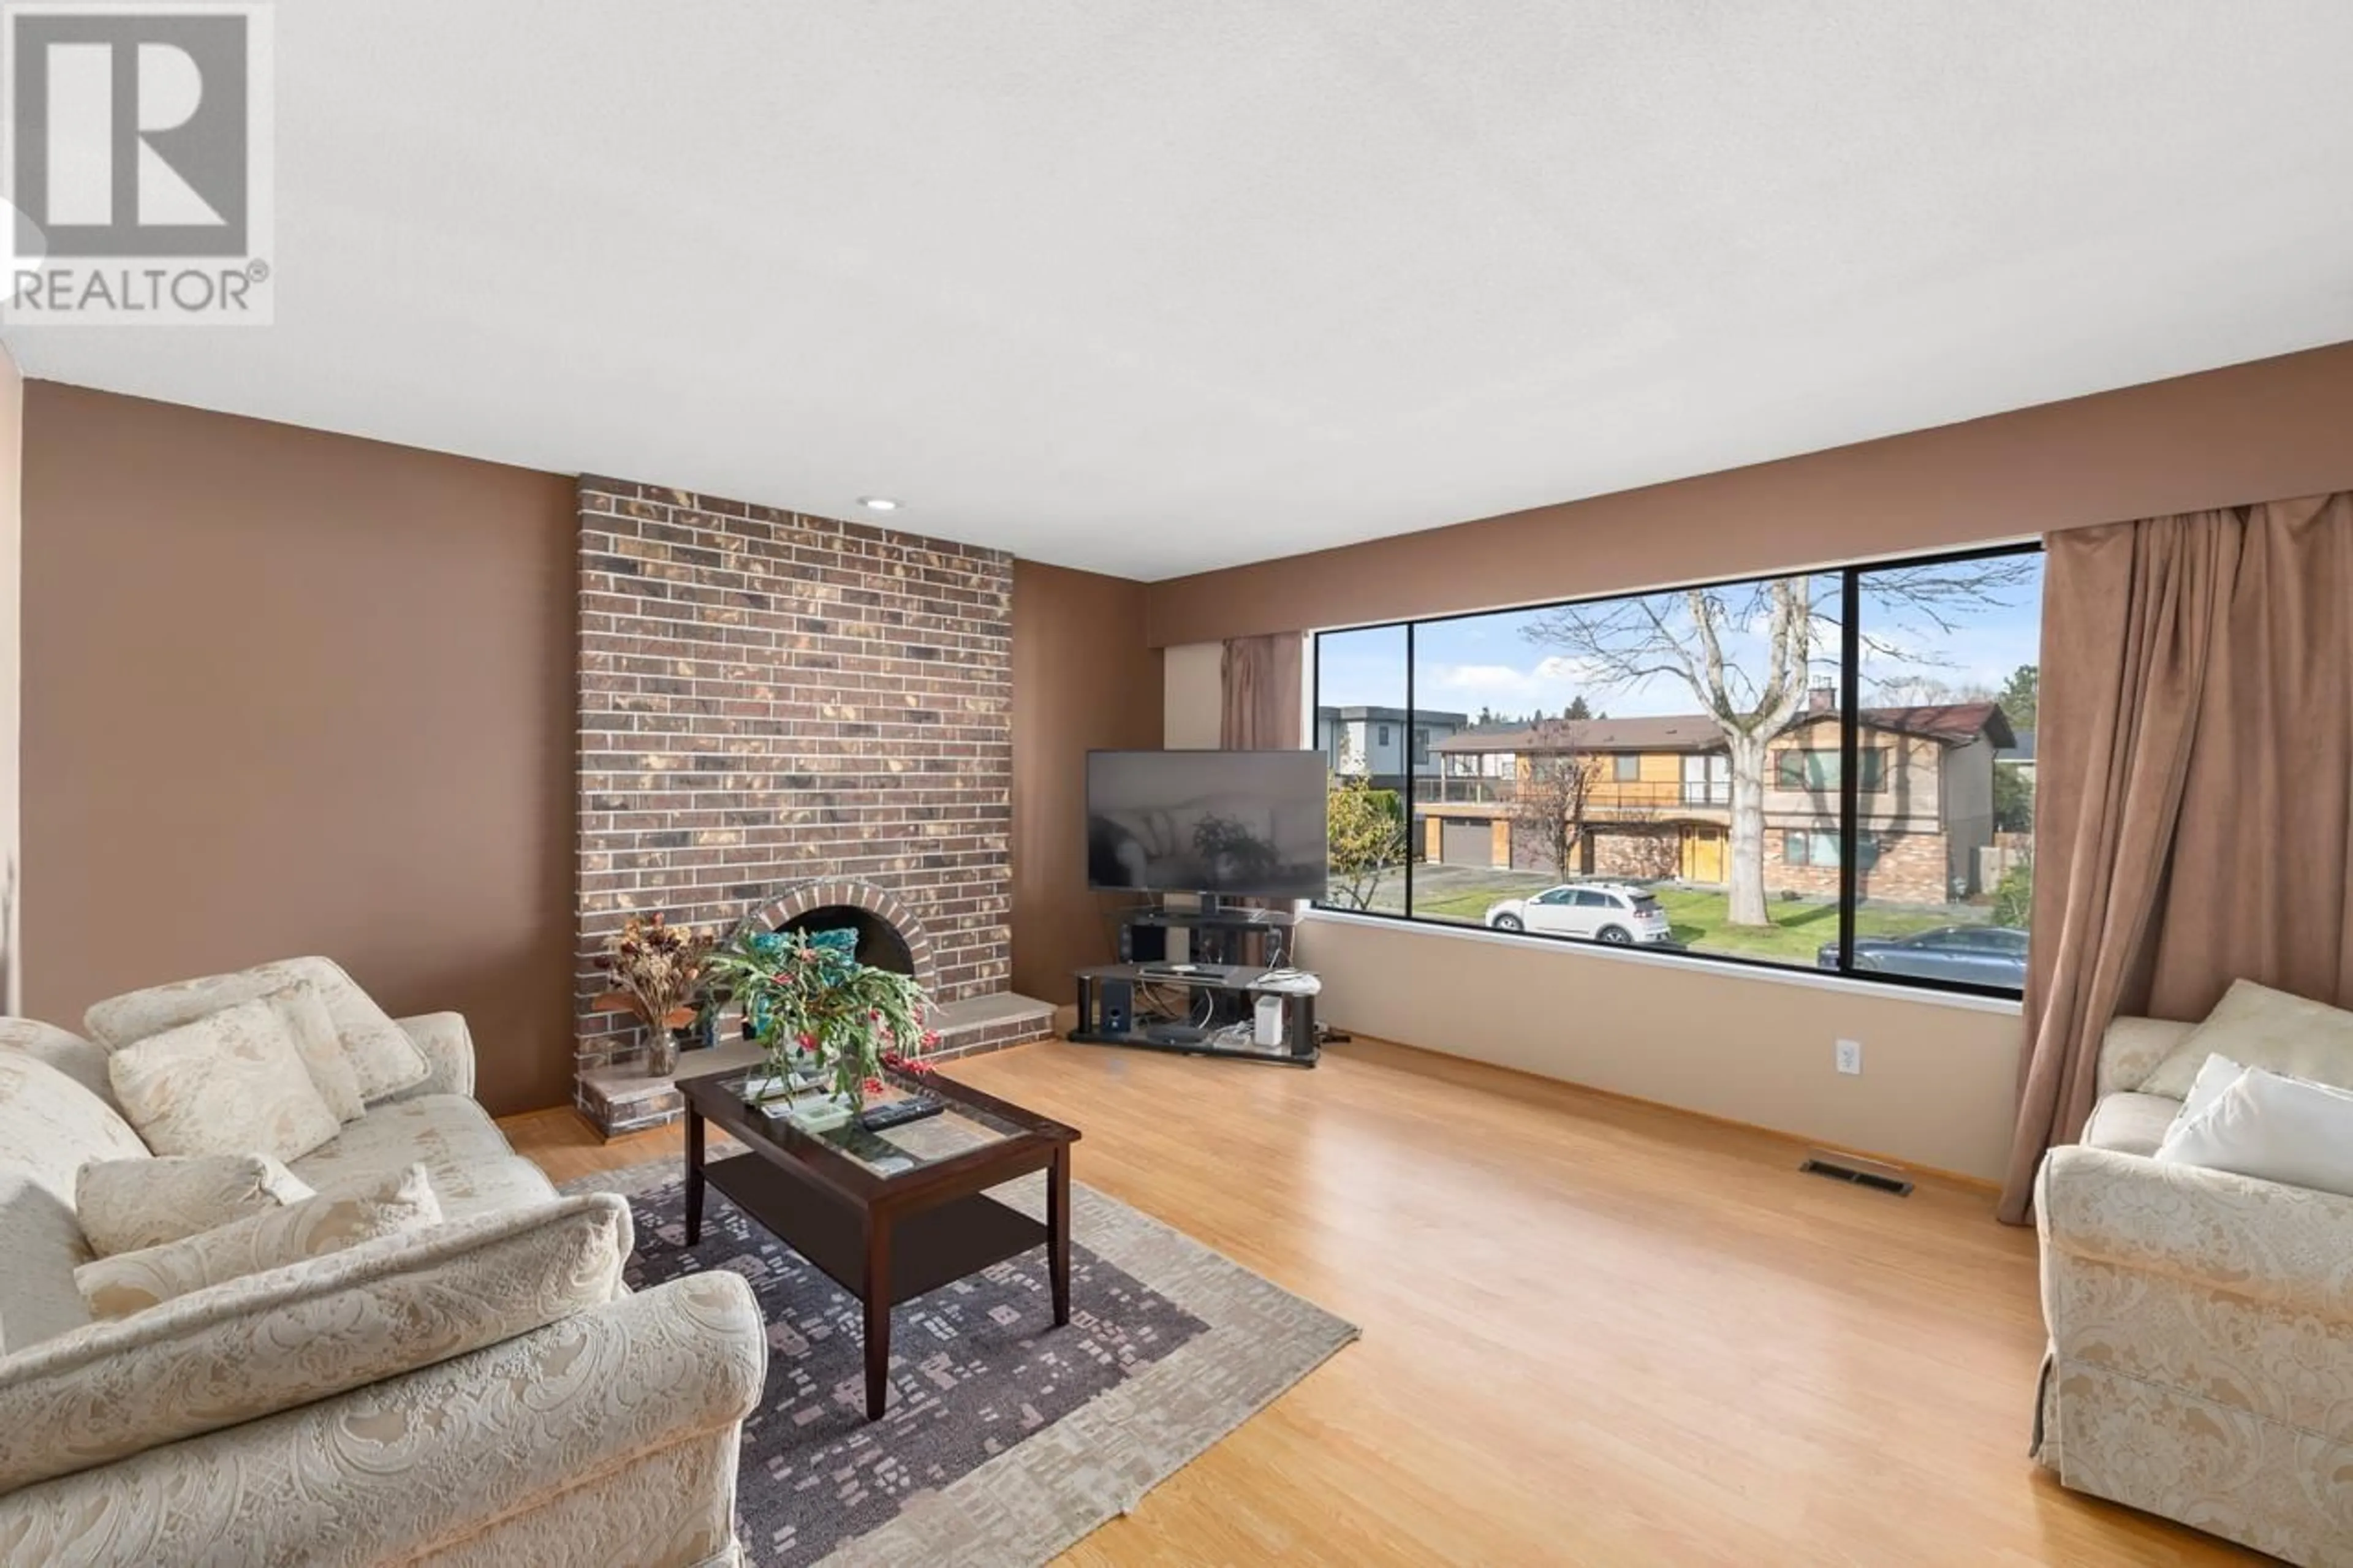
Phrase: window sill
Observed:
(1811, 979)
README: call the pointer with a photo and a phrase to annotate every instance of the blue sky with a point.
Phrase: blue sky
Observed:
(1463, 664)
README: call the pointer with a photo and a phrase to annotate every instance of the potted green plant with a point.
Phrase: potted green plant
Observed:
(819, 1014)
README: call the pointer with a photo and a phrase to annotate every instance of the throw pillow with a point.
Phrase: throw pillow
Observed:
(2214, 1081)
(229, 1083)
(134, 1281)
(2275, 1128)
(50, 1127)
(2263, 1029)
(126, 1205)
(304, 1012)
(383, 1056)
(84, 1061)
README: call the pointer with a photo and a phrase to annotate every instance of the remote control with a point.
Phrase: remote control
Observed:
(880, 1118)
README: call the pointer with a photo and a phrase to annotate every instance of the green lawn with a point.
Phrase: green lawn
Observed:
(1800, 926)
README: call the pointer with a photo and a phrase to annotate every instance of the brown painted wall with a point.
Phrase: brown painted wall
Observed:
(1082, 679)
(2253, 432)
(12, 685)
(292, 692)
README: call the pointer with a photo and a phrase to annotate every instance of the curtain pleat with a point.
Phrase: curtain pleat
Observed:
(1263, 675)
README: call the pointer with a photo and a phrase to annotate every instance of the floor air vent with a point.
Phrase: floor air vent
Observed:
(1874, 1174)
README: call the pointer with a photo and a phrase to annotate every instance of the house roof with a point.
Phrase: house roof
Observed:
(1683, 732)
(1951, 723)
(1954, 724)
(1420, 715)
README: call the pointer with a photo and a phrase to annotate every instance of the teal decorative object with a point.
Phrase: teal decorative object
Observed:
(840, 939)
(837, 953)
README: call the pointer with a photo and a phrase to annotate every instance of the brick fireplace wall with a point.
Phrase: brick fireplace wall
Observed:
(769, 698)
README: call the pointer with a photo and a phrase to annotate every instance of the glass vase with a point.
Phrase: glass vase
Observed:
(850, 1079)
(661, 1052)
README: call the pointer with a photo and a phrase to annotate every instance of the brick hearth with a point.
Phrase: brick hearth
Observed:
(770, 701)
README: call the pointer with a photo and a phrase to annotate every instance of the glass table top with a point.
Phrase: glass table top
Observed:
(959, 1128)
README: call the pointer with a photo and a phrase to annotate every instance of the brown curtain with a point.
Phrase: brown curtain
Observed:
(1262, 676)
(2194, 798)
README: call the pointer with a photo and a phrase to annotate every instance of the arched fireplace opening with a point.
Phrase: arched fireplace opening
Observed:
(888, 935)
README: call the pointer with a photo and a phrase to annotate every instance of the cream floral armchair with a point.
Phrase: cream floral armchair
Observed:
(2201, 1328)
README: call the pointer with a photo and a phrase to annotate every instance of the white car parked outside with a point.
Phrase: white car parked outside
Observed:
(1598, 912)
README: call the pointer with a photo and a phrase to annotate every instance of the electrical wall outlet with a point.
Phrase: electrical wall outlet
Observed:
(1850, 1055)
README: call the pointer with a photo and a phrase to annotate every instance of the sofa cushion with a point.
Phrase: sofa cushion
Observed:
(303, 1011)
(49, 1127)
(2213, 1082)
(2262, 1027)
(2130, 1123)
(2274, 1128)
(84, 1061)
(231, 1082)
(474, 1172)
(327, 1222)
(233, 1351)
(125, 1204)
(382, 1055)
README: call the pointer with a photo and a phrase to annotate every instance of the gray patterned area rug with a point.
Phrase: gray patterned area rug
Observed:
(1006, 1439)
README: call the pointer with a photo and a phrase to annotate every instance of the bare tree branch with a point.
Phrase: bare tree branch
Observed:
(1625, 644)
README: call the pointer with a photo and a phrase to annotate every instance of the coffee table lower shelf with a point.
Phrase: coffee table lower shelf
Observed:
(929, 1247)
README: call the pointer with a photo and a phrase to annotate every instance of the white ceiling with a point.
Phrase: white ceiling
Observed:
(1153, 288)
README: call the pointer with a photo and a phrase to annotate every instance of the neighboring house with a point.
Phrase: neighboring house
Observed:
(1660, 803)
(1379, 742)
(2013, 810)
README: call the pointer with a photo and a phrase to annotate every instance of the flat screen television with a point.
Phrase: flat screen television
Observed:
(1245, 824)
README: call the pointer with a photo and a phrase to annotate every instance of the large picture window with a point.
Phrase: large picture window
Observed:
(1831, 770)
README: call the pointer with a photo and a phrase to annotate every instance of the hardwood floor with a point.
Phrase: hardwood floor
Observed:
(1596, 1332)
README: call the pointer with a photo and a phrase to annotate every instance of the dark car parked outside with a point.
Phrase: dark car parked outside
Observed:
(1974, 955)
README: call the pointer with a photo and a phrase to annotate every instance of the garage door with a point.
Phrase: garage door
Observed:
(1464, 843)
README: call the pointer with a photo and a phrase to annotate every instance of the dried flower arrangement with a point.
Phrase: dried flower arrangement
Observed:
(658, 970)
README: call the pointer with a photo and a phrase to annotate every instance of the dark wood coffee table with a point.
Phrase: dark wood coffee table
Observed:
(889, 1216)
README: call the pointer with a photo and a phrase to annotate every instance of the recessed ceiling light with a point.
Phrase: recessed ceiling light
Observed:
(878, 503)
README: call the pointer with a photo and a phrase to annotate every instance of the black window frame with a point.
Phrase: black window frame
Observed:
(1852, 851)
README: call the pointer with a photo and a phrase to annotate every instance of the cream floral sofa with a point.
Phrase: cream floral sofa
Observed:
(486, 1392)
(2201, 1328)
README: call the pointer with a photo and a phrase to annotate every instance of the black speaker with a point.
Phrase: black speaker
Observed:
(1117, 1002)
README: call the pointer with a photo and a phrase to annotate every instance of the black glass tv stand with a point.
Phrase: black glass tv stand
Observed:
(1197, 1010)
